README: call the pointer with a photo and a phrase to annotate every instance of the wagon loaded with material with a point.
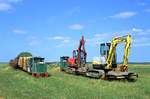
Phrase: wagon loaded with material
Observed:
(33, 65)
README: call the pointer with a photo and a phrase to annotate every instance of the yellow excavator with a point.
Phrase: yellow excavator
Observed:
(107, 67)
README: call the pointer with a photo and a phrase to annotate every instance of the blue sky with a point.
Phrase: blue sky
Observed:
(52, 28)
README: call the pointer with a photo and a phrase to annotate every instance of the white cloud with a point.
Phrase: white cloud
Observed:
(76, 27)
(140, 37)
(136, 30)
(16, 31)
(143, 33)
(93, 41)
(4, 7)
(140, 32)
(99, 38)
(141, 41)
(66, 41)
(124, 15)
(103, 35)
(63, 40)
(14, 1)
(10, 1)
(58, 38)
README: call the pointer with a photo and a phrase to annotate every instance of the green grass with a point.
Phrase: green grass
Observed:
(16, 84)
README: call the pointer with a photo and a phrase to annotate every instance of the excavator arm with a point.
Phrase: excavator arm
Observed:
(112, 51)
(81, 53)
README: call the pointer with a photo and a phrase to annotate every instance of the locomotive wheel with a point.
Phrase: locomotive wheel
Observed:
(33, 74)
(43, 75)
(46, 74)
(37, 75)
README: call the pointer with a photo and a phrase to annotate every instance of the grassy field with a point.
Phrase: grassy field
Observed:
(16, 84)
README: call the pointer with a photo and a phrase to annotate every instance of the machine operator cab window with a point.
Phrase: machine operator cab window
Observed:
(82, 55)
(104, 52)
(75, 54)
(38, 60)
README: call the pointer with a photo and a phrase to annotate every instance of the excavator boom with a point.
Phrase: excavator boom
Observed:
(112, 51)
(81, 53)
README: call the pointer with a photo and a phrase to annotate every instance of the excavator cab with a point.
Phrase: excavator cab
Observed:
(75, 54)
(104, 49)
(104, 52)
(81, 56)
